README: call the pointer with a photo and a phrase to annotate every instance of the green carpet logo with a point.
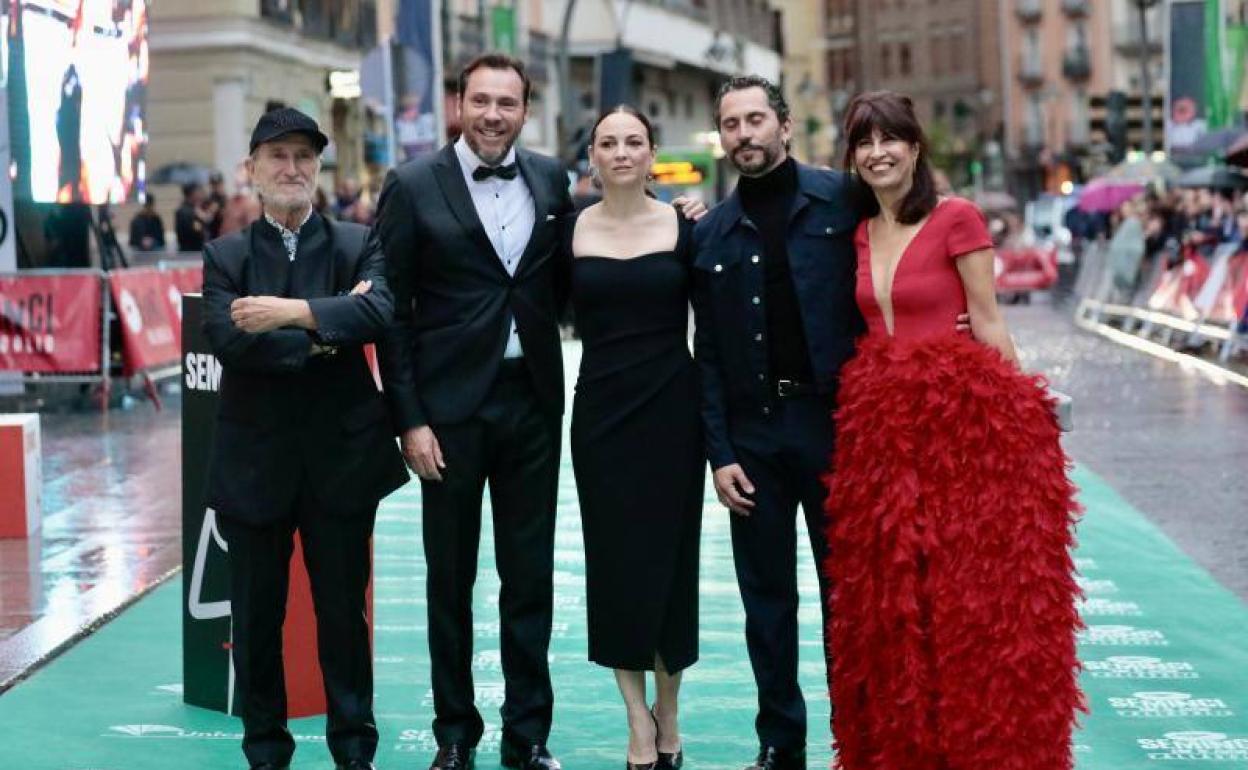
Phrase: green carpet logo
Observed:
(1157, 705)
(1122, 636)
(1100, 586)
(148, 731)
(1139, 667)
(1196, 745)
(1109, 608)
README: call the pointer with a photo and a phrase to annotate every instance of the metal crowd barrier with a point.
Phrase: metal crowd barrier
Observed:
(1170, 303)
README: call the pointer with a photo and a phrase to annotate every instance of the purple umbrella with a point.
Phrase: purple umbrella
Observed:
(1106, 195)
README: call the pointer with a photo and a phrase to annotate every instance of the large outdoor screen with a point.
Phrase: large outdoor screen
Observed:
(77, 80)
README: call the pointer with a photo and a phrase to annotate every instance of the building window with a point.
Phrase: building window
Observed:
(907, 63)
(957, 54)
(936, 45)
(886, 61)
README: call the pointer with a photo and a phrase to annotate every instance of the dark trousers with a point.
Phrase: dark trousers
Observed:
(514, 445)
(784, 455)
(336, 554)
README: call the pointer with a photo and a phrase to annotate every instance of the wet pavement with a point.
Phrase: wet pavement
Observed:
(1169, 439)
(1172, 442)
(111, 529)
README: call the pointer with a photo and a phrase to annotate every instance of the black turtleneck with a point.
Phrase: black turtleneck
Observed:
(767, 201)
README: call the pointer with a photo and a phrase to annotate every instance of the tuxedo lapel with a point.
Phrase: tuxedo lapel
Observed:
(541, 204)
(451, 179)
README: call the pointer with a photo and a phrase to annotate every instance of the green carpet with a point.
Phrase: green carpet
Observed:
(1164, 653)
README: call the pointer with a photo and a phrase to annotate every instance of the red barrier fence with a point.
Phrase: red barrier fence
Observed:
(54, 324)
(50, 323)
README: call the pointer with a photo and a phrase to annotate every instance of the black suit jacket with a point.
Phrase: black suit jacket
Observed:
(453, 299)
(289, 420)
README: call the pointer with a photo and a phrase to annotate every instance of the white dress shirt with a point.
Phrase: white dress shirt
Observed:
(505, 208)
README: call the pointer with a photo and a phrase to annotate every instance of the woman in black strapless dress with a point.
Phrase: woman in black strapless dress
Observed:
(636, 434)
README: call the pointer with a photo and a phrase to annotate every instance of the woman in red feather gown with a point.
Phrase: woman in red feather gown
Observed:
(950, 513)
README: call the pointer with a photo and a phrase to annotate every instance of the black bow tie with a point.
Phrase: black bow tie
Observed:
(482, 173)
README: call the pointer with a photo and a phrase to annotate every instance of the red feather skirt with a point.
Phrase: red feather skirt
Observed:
(950, 526)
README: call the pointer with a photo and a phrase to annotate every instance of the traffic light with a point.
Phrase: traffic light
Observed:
(1116, 125)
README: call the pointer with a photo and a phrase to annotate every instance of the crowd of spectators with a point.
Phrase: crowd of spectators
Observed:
(1153, 233)
(208, 213)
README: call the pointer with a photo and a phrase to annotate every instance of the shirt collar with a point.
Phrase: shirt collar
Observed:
(469, 161)
(285, 231)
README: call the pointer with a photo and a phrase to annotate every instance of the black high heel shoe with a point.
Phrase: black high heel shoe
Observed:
(655, 765)
(668, 760)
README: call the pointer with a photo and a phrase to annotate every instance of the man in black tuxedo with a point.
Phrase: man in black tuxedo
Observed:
(473, 374)
(303, 440)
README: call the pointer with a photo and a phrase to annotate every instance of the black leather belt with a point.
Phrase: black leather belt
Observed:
(512, 369)
(791, 388)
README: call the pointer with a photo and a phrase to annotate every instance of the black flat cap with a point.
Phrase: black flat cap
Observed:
(284, 121)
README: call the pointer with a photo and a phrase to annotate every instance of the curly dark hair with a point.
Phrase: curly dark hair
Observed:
(775, 99)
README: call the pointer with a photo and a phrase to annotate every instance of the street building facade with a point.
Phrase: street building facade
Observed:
(218, 64)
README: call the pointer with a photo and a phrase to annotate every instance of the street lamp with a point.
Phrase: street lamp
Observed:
(1146, 78)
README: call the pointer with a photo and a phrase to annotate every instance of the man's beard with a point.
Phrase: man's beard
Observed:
(276, 198)
(768, 154)
(479, 152)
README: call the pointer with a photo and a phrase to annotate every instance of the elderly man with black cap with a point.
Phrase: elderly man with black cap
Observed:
(303, 440)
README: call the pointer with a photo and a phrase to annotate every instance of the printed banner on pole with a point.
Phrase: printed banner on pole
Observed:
(1187, 118)
(50, 323)
(149, 328)
(417, 79)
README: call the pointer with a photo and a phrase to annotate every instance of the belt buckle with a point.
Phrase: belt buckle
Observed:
(783, 388)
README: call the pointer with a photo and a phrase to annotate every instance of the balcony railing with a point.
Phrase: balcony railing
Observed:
(1078, 133)
(1030, 70)
(540, 52)
(1029, 10)
(1075, 7)
(1127, 37)
(349, 24)
(1077, 64)
(467, 40)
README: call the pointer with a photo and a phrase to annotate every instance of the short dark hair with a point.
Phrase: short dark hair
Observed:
(189, 188)
(149, 199)
(892, 114)
(626, 109)
(494, 60)
(775, 98)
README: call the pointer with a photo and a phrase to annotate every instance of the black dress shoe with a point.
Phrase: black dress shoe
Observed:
(356, 764)
(772, 758)
(531, 757)
(454, 756)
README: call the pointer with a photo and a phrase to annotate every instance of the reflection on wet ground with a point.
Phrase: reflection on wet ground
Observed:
(1172, 442)
(111, 528)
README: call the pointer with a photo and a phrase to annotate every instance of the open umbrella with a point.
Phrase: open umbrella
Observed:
(1237, 154)
(1216, 177)
(1107, 195)
(1216, 142)
(1143, 171)
(996, 200)
(180, 173)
